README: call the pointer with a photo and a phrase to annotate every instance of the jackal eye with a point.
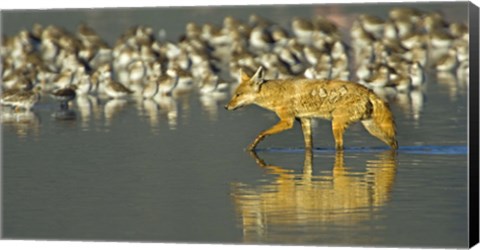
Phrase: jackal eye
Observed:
(238, 94)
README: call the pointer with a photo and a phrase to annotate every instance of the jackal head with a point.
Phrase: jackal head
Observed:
(247, 90)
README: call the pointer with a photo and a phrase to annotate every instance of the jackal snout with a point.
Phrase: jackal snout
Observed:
(228, 107)
(234, 104)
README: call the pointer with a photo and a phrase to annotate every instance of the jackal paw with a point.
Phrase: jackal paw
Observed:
(251, 147)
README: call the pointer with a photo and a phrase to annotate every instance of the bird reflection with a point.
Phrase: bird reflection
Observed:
(448, 79)
(113, 107)
(292, 200)
(417, 98)
(22, 123)
(168, 105)
(403, 102)
(210, 104)
(184, 102)
(84, 105)
(463, 73)
(64, 115)
(152, 112)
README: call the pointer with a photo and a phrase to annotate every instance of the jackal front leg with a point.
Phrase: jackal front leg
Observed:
(286, 122)
(307, 132)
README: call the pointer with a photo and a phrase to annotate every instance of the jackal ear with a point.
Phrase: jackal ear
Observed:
(258, 77)
(243, 76)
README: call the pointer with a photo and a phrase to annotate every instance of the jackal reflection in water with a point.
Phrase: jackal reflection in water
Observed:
(293, 202)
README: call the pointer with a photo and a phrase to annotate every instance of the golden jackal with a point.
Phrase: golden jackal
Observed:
(340, 101)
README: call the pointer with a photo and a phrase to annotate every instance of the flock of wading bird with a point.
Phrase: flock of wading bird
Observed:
(80, 69)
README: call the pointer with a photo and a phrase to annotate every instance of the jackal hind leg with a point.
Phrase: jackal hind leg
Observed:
(286, 122)
(338, 128)
(307, 132)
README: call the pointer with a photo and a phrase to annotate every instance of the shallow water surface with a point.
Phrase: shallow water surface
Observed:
(177, 171)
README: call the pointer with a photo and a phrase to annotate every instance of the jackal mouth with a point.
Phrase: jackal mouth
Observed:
(227, 107)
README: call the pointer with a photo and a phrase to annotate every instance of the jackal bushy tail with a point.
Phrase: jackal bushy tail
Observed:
(381, 124)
